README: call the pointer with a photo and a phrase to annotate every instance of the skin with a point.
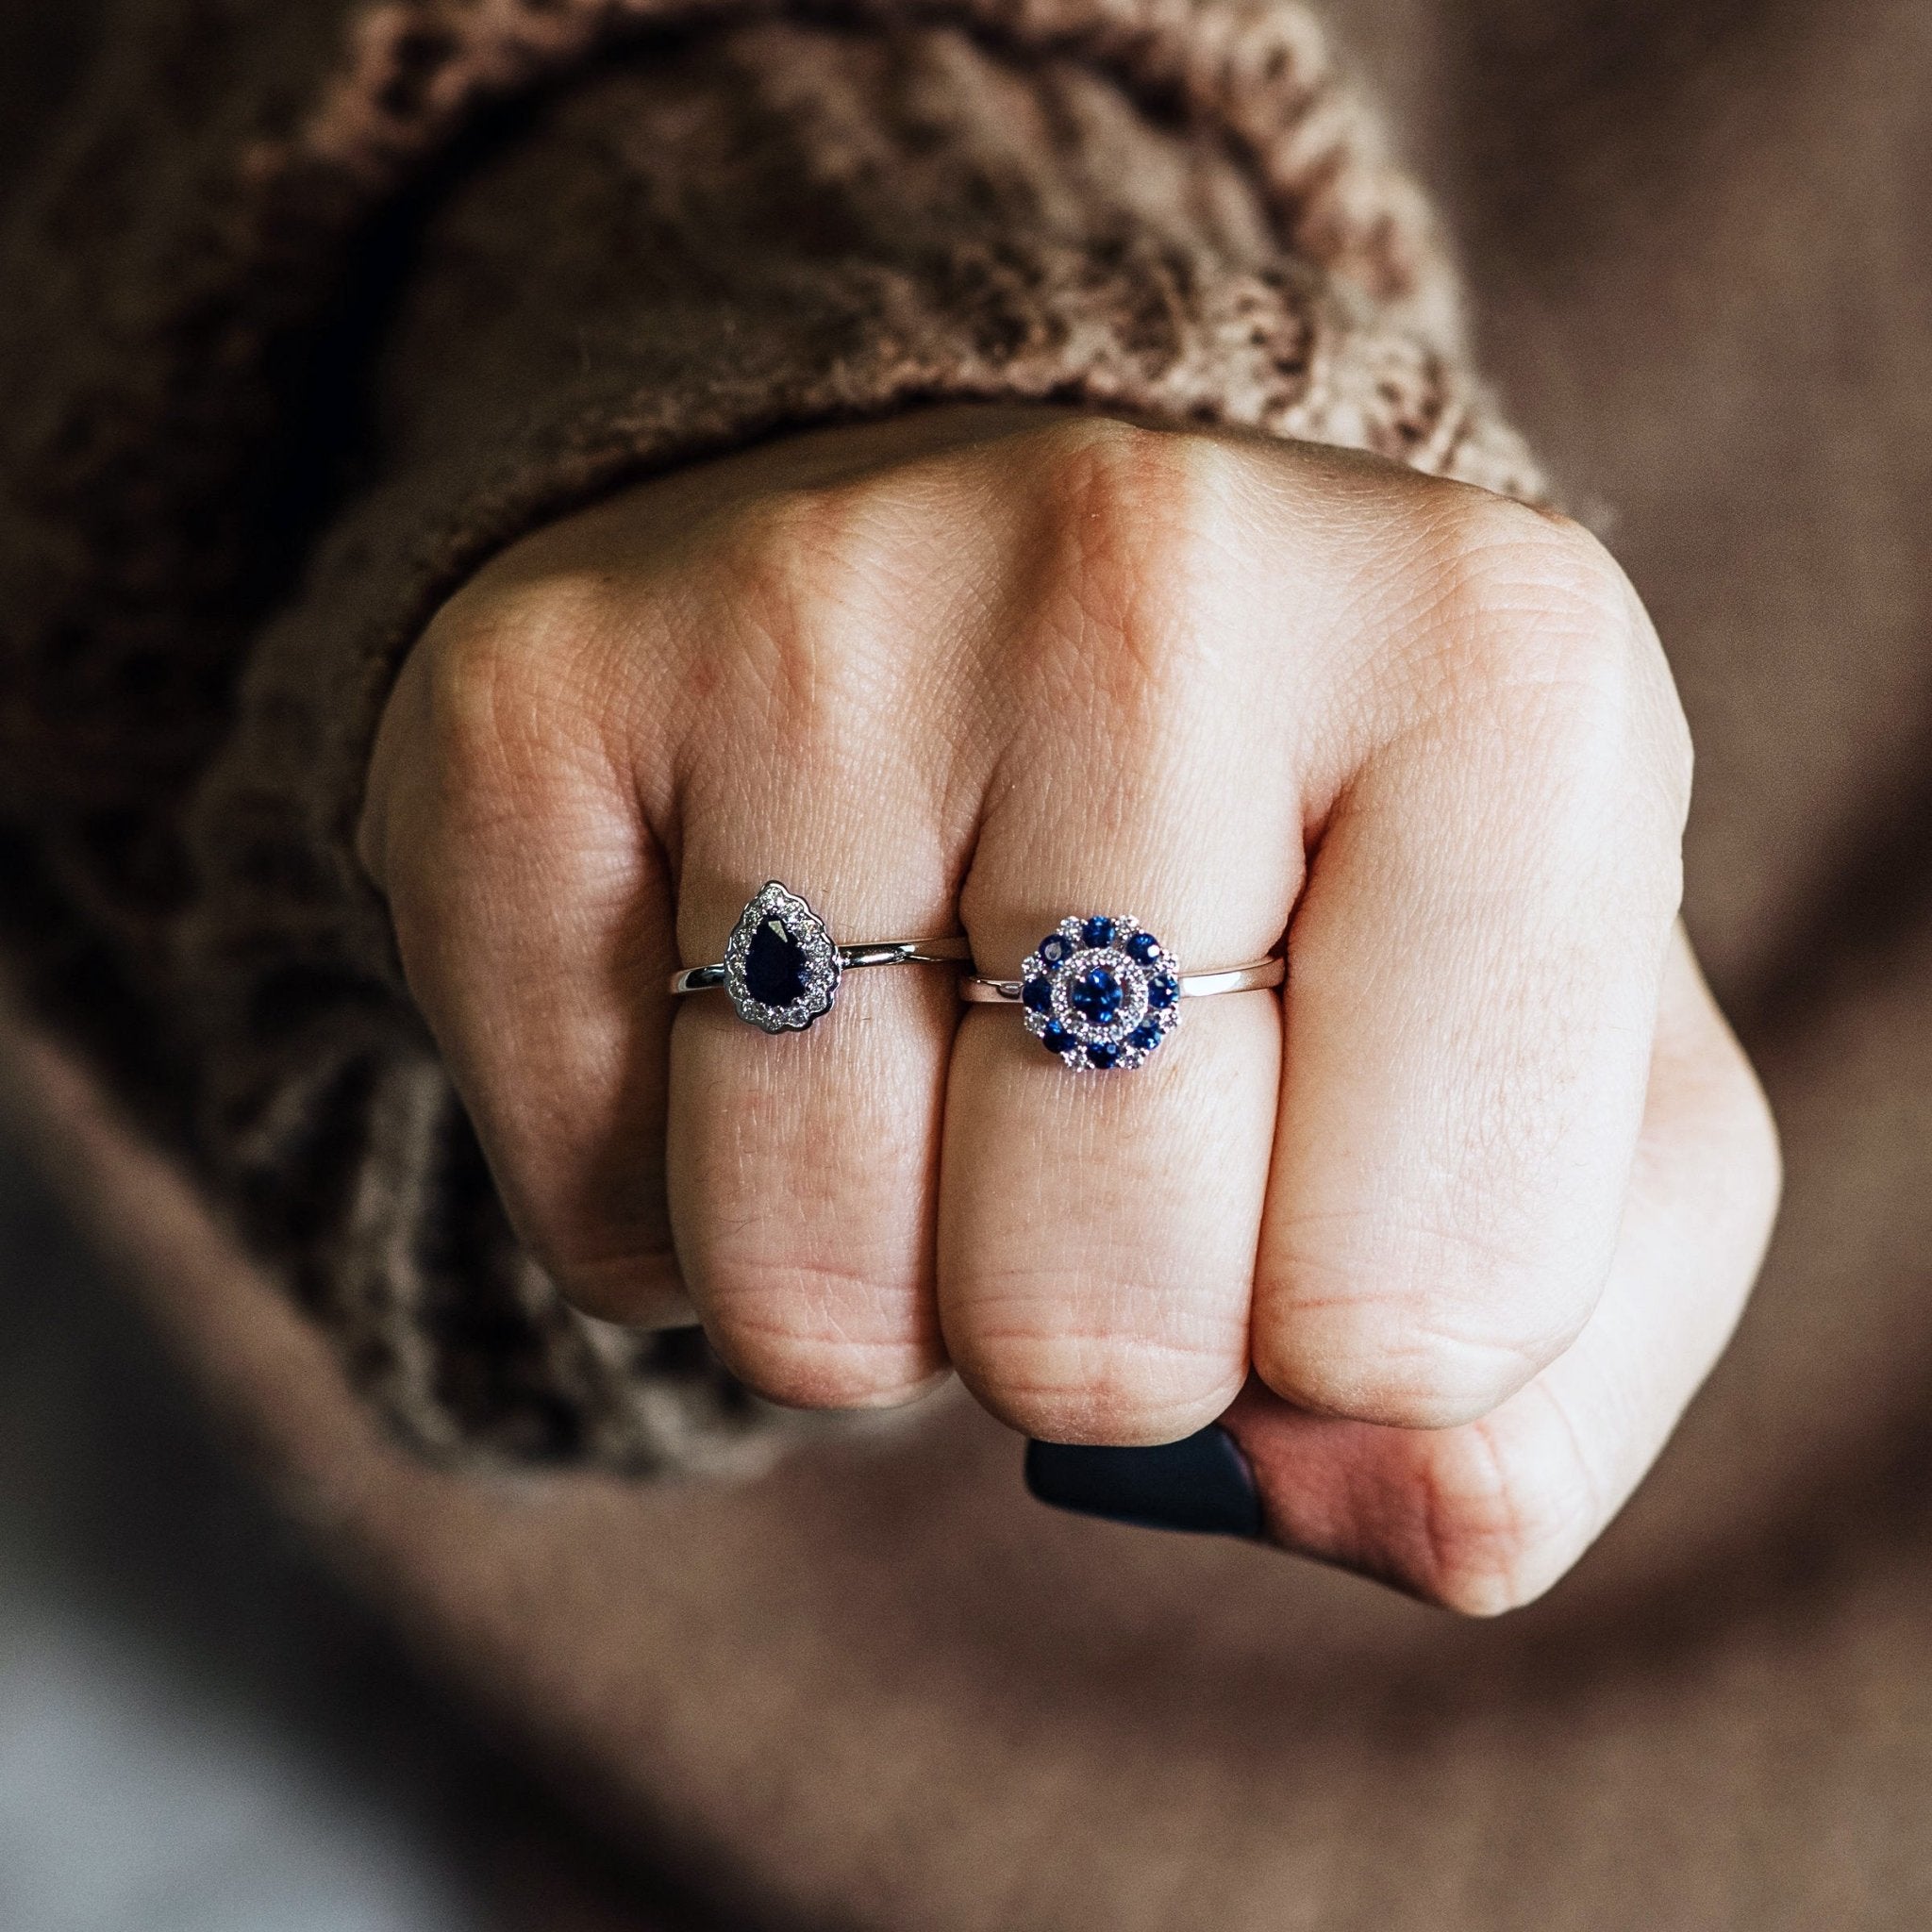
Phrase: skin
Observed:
(1450, 1232)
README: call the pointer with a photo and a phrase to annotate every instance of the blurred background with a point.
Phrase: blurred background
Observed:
(199, 1731)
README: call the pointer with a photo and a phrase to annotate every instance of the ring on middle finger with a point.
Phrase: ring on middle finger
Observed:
(1101, 993)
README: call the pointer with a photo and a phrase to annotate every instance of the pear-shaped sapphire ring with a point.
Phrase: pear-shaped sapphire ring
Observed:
(781, 968)
(1100, 992)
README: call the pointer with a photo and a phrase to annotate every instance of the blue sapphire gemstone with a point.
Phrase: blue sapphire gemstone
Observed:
(1096, 995)
(1162, 992)
(1143, 947)
(1103, 1053)
(1098, 932)
(1058, 1039)
(1145, 1037)
(1054, 948)
(1037, 994)
(774, 966)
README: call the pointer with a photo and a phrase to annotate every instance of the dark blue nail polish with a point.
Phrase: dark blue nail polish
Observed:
(1202, 1483)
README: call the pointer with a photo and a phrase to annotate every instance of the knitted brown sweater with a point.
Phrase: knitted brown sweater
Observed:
(880, 1691)
(321, 304)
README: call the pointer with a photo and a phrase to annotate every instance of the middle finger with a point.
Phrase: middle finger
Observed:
(1098, 1229)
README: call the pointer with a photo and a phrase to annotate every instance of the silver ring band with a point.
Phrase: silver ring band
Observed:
(1101, 994)
(781, 967)
(947, 951)
(1257, 977)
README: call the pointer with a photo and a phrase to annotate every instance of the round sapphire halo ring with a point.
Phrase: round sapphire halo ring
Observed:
(781, 967)
(1101, 994)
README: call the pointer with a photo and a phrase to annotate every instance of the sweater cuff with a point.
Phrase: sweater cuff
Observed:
(713, 240)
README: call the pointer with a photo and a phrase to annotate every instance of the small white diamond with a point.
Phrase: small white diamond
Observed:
(808, 932)
(1134, 977)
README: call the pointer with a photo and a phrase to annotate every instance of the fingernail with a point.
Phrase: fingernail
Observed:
(1201, 1483)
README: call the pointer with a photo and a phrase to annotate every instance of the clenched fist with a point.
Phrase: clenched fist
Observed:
(1468, 1209)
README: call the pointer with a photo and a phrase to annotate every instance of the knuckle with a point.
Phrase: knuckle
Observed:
(1500, 1510)
(797, 546)
(797, 1370)
(1535, 618)
(808, 1336)
(498, 697)
(468, 753)
(1419, 1326)
(1535, 638)
(1105, 1389)
(1493, 554)
(820, 586)
(1372, 1362)
(1136, 523)
(1117, 479)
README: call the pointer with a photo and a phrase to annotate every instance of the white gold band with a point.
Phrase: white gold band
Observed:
(946, 951)
(1256, 978)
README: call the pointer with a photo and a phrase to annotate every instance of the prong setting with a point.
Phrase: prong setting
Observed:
(1100, 992)
(781, 968)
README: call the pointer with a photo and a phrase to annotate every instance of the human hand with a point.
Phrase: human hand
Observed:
(1470, 1208)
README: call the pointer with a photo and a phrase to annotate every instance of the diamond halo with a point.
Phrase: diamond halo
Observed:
(1100, 992)
(779, 922)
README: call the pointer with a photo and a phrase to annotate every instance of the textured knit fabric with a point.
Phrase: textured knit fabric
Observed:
(877, 1689)
(330, 302)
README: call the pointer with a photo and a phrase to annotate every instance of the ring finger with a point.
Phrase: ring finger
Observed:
(801, 1164)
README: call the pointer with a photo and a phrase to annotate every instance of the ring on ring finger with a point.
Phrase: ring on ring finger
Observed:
(781, 967)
